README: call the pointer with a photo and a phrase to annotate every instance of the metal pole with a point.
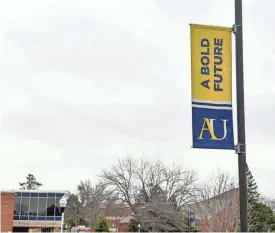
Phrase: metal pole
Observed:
(241, 147)
(62, 222)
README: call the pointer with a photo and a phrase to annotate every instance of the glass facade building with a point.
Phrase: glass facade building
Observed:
(37, 206)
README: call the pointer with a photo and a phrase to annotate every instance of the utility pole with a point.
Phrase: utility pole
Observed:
(241, 146)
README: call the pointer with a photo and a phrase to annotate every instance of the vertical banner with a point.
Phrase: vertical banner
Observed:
(211, 72)
(192, 223)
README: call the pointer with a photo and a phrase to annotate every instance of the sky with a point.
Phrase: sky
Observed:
(84, 83)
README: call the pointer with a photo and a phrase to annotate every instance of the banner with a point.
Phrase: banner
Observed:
(211, 72)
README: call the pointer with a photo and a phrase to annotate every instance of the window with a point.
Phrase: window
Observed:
(51, 206)
(51, 195)
(42, 210)
(25, 205)
(17, 205)
(34, 194)
(59, 195)
(58, 210)
(37, 206)
(33, 206)
(26, 194)
(42, 194)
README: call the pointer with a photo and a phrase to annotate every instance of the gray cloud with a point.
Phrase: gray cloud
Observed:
(96, 55)
(85, 83)
(144, 123)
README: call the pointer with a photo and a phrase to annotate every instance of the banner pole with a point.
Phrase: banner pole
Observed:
(241, 146)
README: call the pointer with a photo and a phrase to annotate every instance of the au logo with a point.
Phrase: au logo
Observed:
(208, 125)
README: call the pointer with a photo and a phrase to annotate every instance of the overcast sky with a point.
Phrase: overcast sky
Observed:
(86, 82)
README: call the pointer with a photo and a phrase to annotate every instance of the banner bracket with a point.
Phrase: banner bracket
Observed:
(240, 148)
(235, 28)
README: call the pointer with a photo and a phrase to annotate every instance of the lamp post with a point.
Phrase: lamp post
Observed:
(138, 227)
(241, 146)
(62, 203)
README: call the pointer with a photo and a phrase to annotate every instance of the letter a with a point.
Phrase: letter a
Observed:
(205, 83)
(209, 123)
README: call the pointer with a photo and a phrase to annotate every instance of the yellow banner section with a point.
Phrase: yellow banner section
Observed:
(211, 63)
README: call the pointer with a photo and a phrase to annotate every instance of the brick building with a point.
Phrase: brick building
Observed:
(118, 215)
(7, 209)
(39, 210)
(26, 210)
(219, 213)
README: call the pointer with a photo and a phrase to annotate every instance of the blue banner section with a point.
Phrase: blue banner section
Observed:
(192, 223)
(212, 127)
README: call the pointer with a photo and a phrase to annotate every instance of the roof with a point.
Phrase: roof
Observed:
(6, 191)
(115, 210)
(126, 219)
(122, 219)
(212, 205)
(33, 191)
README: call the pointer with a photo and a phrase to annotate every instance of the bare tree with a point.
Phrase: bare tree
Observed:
(120, 178)
(74, 212)
(216, 203)
(135, 180)
(116, 211)
(91, 197)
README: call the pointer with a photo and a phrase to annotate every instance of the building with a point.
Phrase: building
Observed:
(218, 213)
(118, 215)
(7, 208)
(30, 210)
(39, 210)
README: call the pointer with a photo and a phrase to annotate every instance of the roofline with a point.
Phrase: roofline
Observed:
(211, 198)
(221, 194)
(33, 191)
(6, 191)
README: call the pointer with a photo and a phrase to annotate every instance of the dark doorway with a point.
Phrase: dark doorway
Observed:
(20, 229)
